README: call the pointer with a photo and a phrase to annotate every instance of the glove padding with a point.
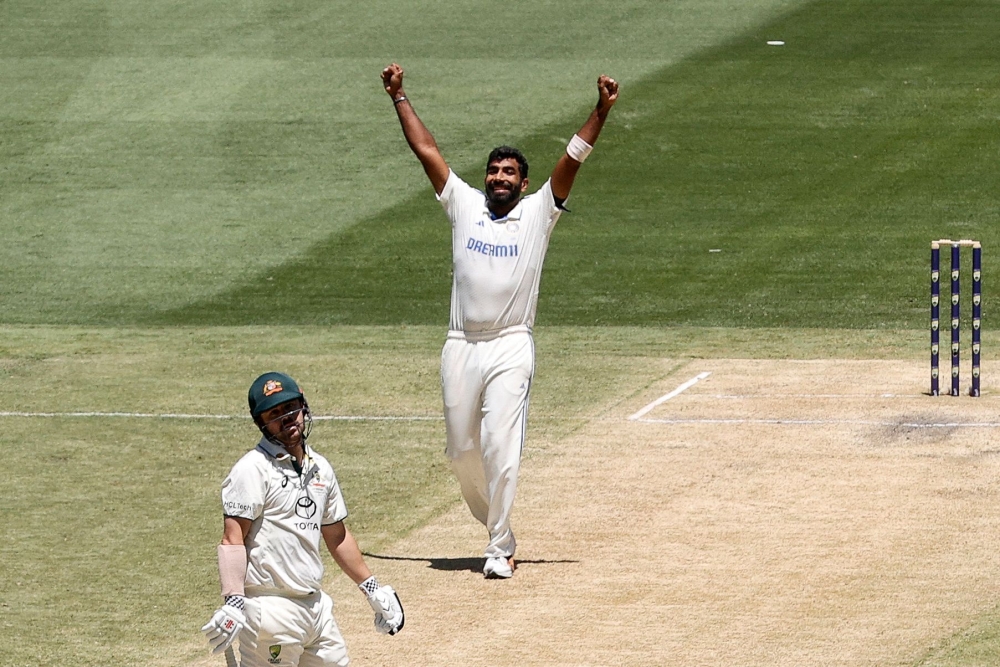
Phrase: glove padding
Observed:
(388, 610)
(225, 625)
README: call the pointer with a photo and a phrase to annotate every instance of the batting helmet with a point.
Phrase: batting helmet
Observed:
(269, 390)
(273, 389)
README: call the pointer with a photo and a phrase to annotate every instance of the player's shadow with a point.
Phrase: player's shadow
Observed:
(463, 564)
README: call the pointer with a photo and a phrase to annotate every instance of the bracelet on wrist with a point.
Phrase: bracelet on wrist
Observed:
(397, 100)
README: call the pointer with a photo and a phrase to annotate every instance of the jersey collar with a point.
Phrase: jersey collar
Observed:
(276, 451)
(515, 214)
(279, 453)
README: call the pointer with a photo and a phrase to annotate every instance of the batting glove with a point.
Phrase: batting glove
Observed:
(388, 610)
(226, 624)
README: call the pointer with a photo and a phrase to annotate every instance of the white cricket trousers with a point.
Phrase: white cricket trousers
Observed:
(485, 385)
(291, 631)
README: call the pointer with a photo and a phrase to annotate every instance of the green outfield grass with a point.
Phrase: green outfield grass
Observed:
(820, 170)
(976, 645)
(191, 195)
(109, 523)
(159, 181)
(151, 157)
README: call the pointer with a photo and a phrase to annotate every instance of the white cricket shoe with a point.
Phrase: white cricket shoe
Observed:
(498, 568)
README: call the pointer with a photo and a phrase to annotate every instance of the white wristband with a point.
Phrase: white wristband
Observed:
(578, 149)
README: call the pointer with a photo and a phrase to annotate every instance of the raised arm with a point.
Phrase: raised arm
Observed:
(565, 170)
(417, 135)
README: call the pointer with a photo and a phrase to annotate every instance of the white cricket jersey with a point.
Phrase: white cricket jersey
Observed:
(287, 510)
(497, 264)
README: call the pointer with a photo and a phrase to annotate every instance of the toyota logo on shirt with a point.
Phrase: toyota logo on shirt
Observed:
(305, 507)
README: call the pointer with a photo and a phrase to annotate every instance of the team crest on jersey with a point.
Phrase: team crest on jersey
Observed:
(272, 387)
(512, 227)
(317, 481)
(275, 651)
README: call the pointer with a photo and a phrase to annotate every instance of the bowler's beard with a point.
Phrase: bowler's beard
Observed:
(504, 198)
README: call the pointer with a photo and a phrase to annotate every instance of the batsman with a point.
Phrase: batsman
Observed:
(280, 501)
(499, 239)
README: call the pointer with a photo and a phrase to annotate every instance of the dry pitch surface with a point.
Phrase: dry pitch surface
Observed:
(774, 513)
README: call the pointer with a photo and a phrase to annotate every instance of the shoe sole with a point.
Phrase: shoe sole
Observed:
(500, 574)
(492, 574)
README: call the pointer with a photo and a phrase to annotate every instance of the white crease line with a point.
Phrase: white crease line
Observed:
(822, 422)
(362, 418)
(823, 396)
(142, 415)
(663, 399)
(149, 415)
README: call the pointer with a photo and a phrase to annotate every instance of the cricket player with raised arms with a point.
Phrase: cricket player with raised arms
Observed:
(279, 501)
(499, 239)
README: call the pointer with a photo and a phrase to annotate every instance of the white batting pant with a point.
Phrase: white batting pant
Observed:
(291, 631)
(485, 386)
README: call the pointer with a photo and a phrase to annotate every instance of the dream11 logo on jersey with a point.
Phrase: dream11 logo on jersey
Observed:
(490, 249)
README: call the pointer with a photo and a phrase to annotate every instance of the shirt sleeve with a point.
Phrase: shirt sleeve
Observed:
(336, 508)
(458, 198)
(243, 491)
(543, 204)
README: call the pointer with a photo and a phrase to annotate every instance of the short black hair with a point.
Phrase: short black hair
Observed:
(505, 152)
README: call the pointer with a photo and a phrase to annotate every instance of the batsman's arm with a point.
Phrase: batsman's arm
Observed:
(583, 141)
(229, 620)
(389, 616)
(232, 555)
(345, 551)
(417, 135)
(235, 530)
